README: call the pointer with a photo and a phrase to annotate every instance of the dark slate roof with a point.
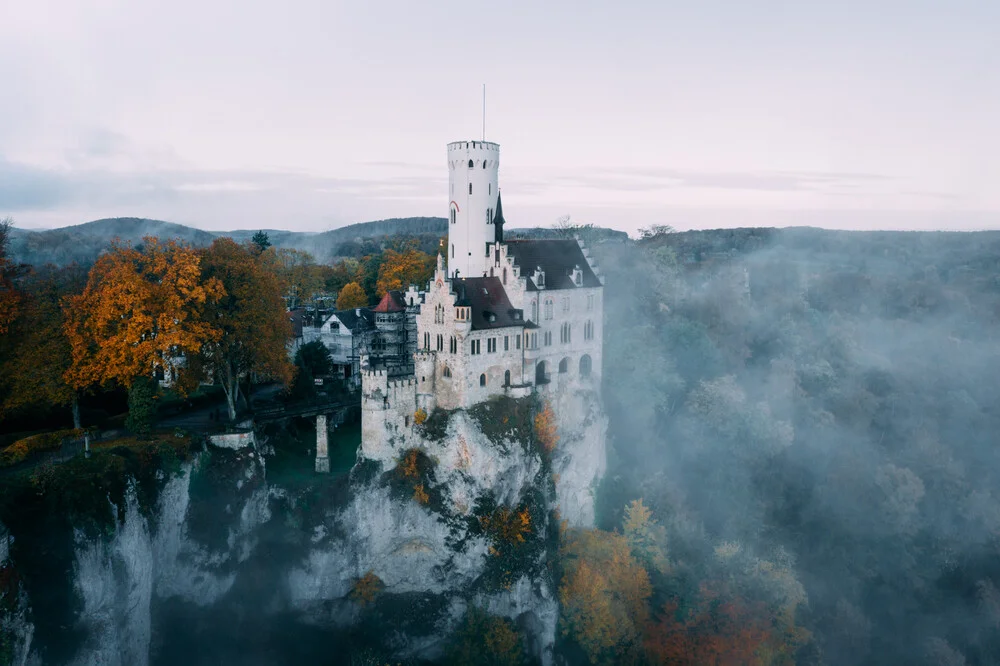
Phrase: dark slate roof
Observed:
(296, 316)
(556, 257)
(357, 319)
(490, 306)
(393, 301)
(498, 221)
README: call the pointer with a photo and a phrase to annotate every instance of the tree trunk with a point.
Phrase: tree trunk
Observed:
(230, 388)
(75, 404)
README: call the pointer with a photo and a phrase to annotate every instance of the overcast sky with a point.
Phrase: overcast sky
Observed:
(310, 114)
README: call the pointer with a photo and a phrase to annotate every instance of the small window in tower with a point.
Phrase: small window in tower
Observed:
(482, 380)
(489, 189)
(452, 250)
(471, 164)
(470, 188)
(484, 164)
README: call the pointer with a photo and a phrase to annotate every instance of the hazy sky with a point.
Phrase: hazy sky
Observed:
(312, 114)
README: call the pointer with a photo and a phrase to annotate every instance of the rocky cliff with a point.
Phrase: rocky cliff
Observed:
(196, 557)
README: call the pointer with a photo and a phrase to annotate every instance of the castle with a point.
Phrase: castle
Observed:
(498, 317)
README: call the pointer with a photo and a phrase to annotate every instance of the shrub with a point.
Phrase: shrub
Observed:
(367, 588)
(41, 443)
(419, 416)
(545, 428)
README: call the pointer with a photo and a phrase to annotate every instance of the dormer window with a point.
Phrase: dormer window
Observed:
(539, 277)
(577, 276)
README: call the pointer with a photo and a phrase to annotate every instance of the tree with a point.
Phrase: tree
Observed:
(604, 594)
(298, 275)
(251, 318)
(402, 268)
(34, 370)
(721, 629)
(261, 240)
(645, 537)
(484, 639)
(351, 296)
(10, 296)
(141, 310)
(312, 360)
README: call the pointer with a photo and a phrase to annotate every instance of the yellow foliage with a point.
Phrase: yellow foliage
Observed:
(46, 441)
(409, 465)
(367, 588)
(507, 526)
(420, 495)
(401, 269)
(645, 537)
(419, 416)
(545, 428)
(604, 595)
(351, 296)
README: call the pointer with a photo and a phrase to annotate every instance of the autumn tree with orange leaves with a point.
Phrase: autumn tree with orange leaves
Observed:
(141, 309)
(546, 428)
(250, 317)
(402, 268)
(604, 595)
(722, 629)
(351, 296)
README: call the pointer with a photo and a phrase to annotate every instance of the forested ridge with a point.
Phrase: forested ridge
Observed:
(811, 415)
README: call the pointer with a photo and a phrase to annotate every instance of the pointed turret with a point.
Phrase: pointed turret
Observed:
(498, 221)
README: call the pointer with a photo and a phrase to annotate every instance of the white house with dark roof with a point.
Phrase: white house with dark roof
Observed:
(498, 316)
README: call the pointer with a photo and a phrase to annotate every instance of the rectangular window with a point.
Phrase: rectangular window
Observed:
(440, 342)
(427, 341)
(474, 347)
(487, 249)
(590, 302)
(565, 304)
(548, 338)
(452, 250)
(491, 345)
(506, 343)
(517, 342)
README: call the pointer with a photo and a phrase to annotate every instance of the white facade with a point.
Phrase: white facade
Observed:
(473, 168)
(502, 318)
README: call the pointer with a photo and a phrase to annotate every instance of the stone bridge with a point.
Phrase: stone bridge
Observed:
(327, 412)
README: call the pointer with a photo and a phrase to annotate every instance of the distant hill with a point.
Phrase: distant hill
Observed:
(83, 243)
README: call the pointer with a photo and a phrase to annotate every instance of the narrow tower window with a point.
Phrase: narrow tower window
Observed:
(471, 164)
(470, 188)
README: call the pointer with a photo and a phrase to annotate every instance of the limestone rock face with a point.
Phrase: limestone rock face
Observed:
(580, 458)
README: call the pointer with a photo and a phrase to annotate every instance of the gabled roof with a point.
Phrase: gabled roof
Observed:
(393, 301)
(357, 319)
(557, 257)
(490, 306)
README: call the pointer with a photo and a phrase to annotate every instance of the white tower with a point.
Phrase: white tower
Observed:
(472, 186)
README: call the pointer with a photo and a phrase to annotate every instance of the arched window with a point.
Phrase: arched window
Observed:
(585, 365)
(482, 380)
(588, 330)
(564, 365)
(427, 341)
(446, 372)
(440, 342)
(548, 308)
(534, 310)
(540, 377)
(506, 378)
(453, 216)
(453, 345)
(471, 164)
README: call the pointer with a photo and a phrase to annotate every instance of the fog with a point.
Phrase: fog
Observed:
(827, 401)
